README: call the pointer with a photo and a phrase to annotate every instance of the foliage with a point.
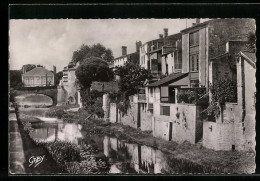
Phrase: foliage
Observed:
(93, 69)
(62, 152)
(58, 77)
(223, 90)
(75, 159)
(251, 42)
(134, 58)
(132, 77)
(96, 50)
(15, 79)
(93, 102)
(191, 96)
(28, 67)
(58, 111)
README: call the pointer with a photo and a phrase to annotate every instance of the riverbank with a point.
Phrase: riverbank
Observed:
(209, 161)
(213, 161)
(31, 151)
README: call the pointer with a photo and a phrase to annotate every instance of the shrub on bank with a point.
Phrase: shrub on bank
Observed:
(58, 111)
(73, 158)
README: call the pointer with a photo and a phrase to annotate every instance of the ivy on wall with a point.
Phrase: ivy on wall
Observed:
(223, 90)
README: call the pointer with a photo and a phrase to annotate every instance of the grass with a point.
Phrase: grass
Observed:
(195, 155)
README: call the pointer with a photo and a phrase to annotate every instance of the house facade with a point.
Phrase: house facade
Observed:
(171, 105)
(120, 61)
(68, 83)
(38, 77)
(234, 128)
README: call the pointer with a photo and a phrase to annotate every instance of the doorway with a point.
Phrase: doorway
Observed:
(171, 94)
(170, 131)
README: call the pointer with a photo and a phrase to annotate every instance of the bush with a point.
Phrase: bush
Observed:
(56, 112)
(75, 159)
(62, 152)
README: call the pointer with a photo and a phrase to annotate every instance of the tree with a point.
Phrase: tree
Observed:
(58, 77)
(15, 79)
(132, 77)
(28, 67)
(96, 50)
(93, 69)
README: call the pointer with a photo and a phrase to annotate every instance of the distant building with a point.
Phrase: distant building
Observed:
(132, 57)
(38, 77)
(68, 82)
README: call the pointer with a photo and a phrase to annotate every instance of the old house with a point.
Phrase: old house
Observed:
(68, 84)
(121, 60)
(234, 128)
(200, 44)
(38, 77)
(171, 105)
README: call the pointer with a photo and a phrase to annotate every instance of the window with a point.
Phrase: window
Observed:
(177, 60)
(164, 94)
(151, 92)
(194, 63)
(194, 38)
(165, 110)
(26, 81)
(38, 80)
(194, 83)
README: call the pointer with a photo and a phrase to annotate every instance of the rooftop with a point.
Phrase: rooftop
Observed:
(169, 79)
(39, 71)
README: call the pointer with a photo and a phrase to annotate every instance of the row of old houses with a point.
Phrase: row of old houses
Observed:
(190, 61)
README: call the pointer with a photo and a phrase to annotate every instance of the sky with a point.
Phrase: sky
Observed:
(52, 41)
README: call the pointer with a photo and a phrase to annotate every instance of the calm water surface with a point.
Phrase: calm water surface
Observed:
(123, 157)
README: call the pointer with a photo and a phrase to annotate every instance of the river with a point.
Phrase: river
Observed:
(124, 157)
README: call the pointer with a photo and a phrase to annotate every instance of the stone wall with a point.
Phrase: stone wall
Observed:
(130, 118)
(146, 119)
(229, 131)
(113, 113)
(185, 120)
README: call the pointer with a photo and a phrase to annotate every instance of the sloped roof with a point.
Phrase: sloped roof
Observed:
(169, 79)
(39, 71)
(249, 56)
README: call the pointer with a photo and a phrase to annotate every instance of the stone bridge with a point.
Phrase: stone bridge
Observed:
(50, 91)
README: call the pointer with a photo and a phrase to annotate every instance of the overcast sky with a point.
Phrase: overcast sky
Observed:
(52, 42)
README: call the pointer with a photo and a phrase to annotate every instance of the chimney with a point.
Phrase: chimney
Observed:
(24, 70)
(124, 50)
(138, 45)
(161, 36)
(54, 69)
(165, 30)
(197, 21)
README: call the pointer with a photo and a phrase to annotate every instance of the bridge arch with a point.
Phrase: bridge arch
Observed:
(47, 91)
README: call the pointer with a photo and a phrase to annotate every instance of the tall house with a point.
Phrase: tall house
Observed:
(38, 77)
(153, 54)
(69, 83)
(211, 40)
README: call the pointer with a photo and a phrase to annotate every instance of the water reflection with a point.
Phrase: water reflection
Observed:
(60, 131)
(33, 100)
(124, 157)
(136, 158)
